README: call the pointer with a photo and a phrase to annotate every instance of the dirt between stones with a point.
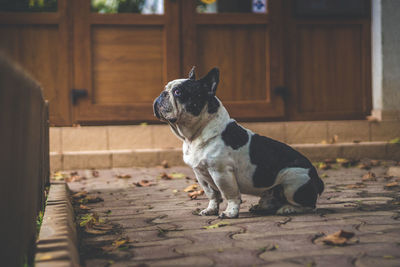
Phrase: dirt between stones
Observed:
(143, 219)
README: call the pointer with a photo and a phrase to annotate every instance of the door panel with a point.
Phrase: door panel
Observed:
(250, 62)
(127, 63)
(39, 43)
(123, 61)
(329, 68)
(216, 42)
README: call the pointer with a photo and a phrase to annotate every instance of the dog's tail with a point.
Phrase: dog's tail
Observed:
(316, 180)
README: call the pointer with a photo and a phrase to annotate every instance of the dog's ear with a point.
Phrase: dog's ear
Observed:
(192, 75)
(211, 80)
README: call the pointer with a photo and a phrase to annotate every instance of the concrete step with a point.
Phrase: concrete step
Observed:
(103, 159)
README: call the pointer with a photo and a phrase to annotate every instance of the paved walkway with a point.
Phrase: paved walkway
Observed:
(162, 230)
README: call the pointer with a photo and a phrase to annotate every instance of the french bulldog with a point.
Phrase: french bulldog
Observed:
(228, 159)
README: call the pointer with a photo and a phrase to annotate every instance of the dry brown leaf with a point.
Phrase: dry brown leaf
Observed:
(330, 161)
(80, 194)
(84, 207)
(364, 166)
(339, 238)
(372, 119)
(123, 176)
(94, 231)
(375, 162)
(354, 186)
(93, 199)
(144, 183)
(195, 194)
(191, 188)
(334, 139)
(369, 176)
(165, 164)
(392, 185)
(165, 176)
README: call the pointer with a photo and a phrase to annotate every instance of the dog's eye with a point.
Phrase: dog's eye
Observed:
(177, 92)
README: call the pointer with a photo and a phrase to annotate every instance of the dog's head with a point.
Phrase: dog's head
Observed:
(186, 100)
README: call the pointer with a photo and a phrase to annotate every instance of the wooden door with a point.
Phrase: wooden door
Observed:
(247, 48)
(37, 37)
(122, 60)
(328, 59)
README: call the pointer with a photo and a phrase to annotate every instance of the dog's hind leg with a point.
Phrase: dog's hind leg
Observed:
(299, 190)
(269, 201)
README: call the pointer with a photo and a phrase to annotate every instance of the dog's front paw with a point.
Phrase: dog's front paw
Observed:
(208, 212)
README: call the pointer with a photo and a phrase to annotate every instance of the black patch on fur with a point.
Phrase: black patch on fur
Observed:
(194, 97)
(306, 195)
(234, 135)
(271, 156)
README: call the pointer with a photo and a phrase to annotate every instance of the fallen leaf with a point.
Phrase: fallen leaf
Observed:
(330, 161)
(269, 247)
(122, 241)
(216, 225)
(324, 175)
(195, 194)
(369, 176)
(88, 219)
(80, 194)
(95, 173)
(177, 175)
(165, 164)
(165, 176)
(95, 232)
(391, 185)
(93, 199)
(339, 238)
(389, 257)
(74, 177)
(84, 207)
(375, 162)
(364, 166)
(395, 141)
(58, 176)
(334, 139)
(355, 186)
(372, 119)
(144, 183)
(124, 176)
(346, 162)
(191, 188)
(323, 166)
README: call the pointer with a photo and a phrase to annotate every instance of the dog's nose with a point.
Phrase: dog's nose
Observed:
(155, 108)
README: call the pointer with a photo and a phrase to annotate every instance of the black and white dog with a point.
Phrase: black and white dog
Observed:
(228, 159)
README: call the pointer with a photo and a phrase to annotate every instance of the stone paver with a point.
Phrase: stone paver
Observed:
(163, 231)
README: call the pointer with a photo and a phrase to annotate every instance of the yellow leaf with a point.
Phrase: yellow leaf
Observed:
(208, 1)
(216, 225)
(177, 175)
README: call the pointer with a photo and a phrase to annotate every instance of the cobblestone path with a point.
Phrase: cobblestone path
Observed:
(162, 230)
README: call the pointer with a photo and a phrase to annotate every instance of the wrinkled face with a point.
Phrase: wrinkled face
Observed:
(184, 99)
